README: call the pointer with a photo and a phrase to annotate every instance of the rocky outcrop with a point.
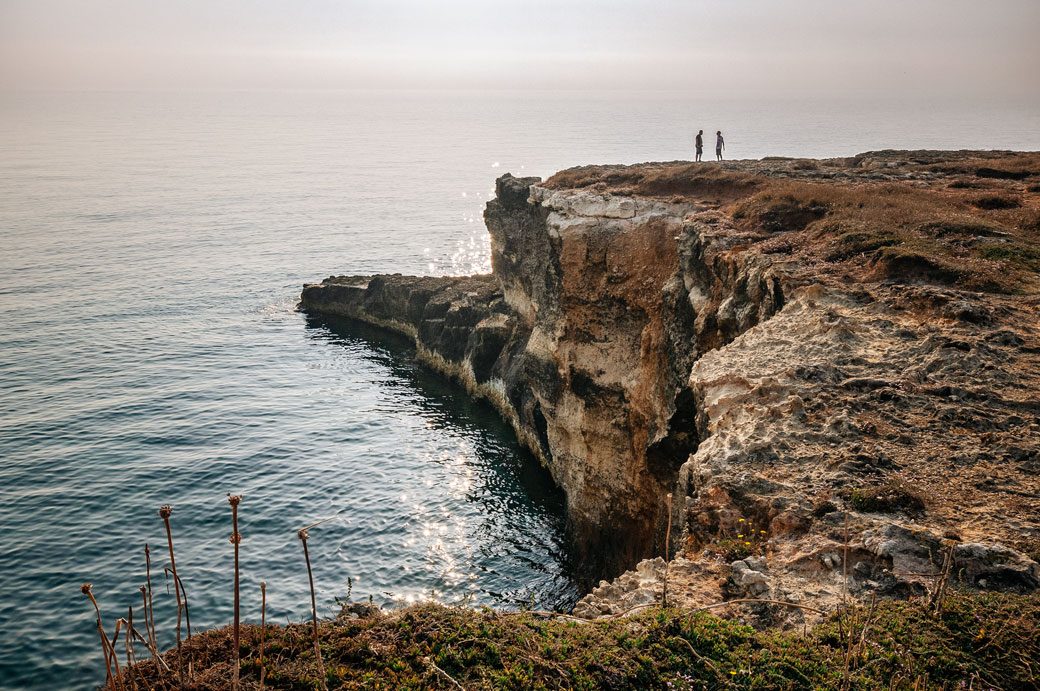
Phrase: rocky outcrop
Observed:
(583, 338)
(458, 323)
(593, 279)
(805, 386)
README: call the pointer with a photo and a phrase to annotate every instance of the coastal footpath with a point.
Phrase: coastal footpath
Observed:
(831, 366)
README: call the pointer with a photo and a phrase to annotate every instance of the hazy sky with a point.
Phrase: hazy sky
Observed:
(943, 46)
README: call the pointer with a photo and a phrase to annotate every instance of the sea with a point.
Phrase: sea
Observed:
(152, 250)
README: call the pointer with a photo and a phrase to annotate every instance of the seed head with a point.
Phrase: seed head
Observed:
(165, 512)
(303, 535)
(86, 590)
(234, 499)
(236, 538)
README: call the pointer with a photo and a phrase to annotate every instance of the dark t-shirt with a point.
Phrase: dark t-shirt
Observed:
(700, 141)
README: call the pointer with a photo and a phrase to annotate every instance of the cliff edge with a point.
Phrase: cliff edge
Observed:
(831, 366)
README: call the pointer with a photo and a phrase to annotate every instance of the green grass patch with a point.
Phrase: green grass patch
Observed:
(1025, 256)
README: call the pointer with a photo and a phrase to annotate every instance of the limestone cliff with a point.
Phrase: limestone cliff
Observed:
(780, 344)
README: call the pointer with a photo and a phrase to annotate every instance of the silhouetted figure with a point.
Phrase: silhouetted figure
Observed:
(699, 141)
(720, 144)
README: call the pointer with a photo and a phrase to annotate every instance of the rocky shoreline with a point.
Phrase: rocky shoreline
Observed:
(833, 366)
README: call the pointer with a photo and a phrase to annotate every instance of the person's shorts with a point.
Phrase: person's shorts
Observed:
(700, 149)
(718, 151)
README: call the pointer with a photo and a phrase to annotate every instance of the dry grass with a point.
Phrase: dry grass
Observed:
(1011, 165)
(978, 229)
(895, 232)
(903, 234)
(683, 182)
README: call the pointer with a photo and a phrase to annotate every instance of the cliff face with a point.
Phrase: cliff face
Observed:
(778, 344)
(586, 275)
(618, 296)
(583, 337)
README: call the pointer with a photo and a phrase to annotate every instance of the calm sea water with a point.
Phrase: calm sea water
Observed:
(153, 248)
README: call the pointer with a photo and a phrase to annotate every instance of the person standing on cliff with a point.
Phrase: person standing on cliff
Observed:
(720, 144)
(699, 141)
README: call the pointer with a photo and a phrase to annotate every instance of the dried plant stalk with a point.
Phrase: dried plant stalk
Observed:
(87, 589)
(667, 552)
(184, 595)
(236, 540)
(302, 534)
(131, 673)
(153, 651)
(845, 562)
(112, 651)
(263, 623)
(149, 619)
(164, 514)
(150, 643)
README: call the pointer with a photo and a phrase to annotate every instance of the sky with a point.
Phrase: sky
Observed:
(791, 46)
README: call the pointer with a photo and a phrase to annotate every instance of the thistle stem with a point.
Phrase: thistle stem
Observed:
(164, 513)
(149, 611)
(667, 552)
(314, 607)
(263, 622)
(112, 652)
(236, 539)
(86, 589)
(148, 643)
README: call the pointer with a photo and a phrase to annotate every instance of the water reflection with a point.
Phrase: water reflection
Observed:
(475, 518)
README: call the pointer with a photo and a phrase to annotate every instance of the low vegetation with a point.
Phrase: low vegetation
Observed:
(888, 497)
(970, 222)
(899, 233)
(976, 641)
(953, 639)
(686, 182)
